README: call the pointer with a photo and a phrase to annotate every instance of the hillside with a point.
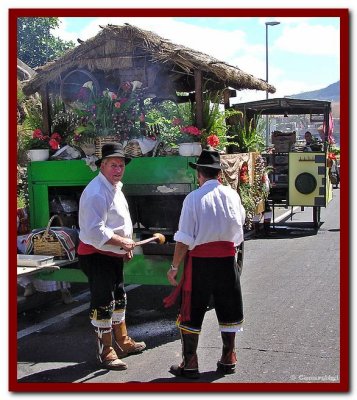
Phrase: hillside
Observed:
(329, 93)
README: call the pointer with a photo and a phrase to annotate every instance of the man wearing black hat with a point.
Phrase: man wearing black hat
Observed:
(105, 242)
(210, 229)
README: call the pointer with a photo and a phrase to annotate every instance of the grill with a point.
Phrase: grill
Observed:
(155, 189)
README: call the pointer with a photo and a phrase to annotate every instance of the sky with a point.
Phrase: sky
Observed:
(303, 55)
(295, 62)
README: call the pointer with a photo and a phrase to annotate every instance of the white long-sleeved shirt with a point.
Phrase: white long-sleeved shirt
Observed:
(103, 211)
(211, 213)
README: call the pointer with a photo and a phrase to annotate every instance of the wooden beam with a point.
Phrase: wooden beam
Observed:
(46, 110)
(199, 98)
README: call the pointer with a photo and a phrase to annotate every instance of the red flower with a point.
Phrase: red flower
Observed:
(54, 144)
(191, 130)
(56, 136)
(213, 140)
(37, 134)
(331, 156)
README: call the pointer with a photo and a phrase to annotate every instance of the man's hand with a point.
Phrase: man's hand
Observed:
(128, 256)
(127, 244)
(171, 276)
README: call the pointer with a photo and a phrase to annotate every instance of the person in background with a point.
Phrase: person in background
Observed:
(105, 243)
(210, 229)
(308, 138)
(311, 143)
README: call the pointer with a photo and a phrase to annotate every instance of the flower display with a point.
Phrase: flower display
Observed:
(111, 113)
(40, 141)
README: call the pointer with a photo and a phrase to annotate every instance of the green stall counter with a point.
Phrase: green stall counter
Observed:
(152, 183)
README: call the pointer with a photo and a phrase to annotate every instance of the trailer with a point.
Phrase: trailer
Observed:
(299, 176)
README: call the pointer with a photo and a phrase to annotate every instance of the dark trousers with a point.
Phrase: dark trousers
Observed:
(217, 278)
(106, 284)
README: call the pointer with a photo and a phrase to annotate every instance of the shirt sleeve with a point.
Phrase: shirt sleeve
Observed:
(95, 218)
(186, 228)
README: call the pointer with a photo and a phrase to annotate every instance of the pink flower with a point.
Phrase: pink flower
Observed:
(191, 130)
(117, 104)
(37, 134)
(126, 86)
(113, 95)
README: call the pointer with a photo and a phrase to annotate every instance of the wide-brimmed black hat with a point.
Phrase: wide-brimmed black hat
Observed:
(208, 158)
(113, 150)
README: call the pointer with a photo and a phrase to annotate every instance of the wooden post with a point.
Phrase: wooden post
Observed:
(199, 99)
(46, 110)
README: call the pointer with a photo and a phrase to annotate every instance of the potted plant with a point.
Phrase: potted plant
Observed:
(38, 145)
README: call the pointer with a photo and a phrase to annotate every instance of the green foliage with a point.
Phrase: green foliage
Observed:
(163, 114)
(35, 43)
(249, 137)
(64, 122)
(334, 149)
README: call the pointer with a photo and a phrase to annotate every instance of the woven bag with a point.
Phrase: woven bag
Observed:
(47, 243)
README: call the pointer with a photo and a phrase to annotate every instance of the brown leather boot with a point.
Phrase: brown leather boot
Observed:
(189, 366)
(227, 363)
(106, 355)
(126, 345)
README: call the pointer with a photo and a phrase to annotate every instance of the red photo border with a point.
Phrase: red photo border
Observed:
(343, 385)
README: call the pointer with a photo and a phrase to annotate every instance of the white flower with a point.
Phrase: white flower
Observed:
(136, 85)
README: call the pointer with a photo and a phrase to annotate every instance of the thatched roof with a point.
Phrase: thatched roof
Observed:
(24, 72)
(124, 48)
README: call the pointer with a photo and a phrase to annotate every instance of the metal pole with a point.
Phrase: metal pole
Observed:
(267, 24)
(266, 92)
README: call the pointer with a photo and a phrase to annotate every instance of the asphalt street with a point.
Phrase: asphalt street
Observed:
(291, 292)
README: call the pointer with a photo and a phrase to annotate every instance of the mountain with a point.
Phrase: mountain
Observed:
(329, 93)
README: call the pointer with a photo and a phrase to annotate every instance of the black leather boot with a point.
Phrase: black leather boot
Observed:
(228, 361)
(267, 228)
(189, 366)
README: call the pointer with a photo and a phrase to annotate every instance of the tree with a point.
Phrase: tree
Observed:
(35, 43)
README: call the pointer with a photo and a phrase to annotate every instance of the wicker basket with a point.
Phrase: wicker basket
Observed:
(47, 242)
(100, 141)
(132, 149)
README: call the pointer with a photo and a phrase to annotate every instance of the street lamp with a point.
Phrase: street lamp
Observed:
(267, 24)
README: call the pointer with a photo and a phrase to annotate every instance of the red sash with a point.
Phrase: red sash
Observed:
(85, 249)
(206, 250)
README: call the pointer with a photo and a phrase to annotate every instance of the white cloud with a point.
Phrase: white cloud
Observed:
(309, 39)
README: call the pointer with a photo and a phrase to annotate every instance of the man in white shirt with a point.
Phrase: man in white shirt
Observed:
(210, 229)
(105, 243)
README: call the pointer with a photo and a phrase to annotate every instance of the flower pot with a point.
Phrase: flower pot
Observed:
(190, 149)
(39, 154)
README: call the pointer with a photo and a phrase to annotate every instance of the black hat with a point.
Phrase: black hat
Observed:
(209, 158)
(113, 150)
